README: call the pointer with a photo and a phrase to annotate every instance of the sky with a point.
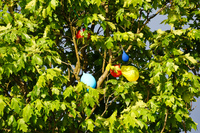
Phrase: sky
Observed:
(154, 24)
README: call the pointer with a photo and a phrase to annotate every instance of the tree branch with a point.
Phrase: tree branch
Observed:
(184, 127)
(84, 57)
(77, 68)
(104, 61)
(68, 64)
(104, 75)
(148, 19)
(165, 121)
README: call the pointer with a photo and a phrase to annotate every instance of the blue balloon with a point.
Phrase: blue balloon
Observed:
(125, 57)
(89, 80)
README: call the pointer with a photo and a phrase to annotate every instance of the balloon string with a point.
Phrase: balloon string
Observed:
(122, 47)
(122, 50)
(76, 14)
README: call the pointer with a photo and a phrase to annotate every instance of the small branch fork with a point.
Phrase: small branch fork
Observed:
(108, 100)
(76, 70)
(147, 21)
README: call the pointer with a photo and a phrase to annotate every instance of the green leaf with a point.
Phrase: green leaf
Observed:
(88, 99)
(90, 125)
(15, 90)
(112, 119)
(194, 125)
(127, 101)
(2, 106)
(55, 90)
(109, 43)
(22, 125)
(178, 32)
(12, 121)
(112, 26)
(190, 58)
(169, 103)
(2, 28)
(79, 22)
(132, 15)
(26, 37)
(87, 111)
(51, 73)
(95, 17)
(73, 104)
(54, 3)
(57, 60)
(63, 107)
(15, 104)
(38, 104)
(101, 17)
(40, 83)
(68, 91)
(120, 14)
(27, 113)
(7, 18)
(159, 31)
(13, 35)
(186, 97)
(112, 81)
(125, 36)
(94, 94)
(108, 67)
(47, 29)
(178, 117)
(55, 105)
(37, 59)
(44, 13)
(3, 49)
(30, 4)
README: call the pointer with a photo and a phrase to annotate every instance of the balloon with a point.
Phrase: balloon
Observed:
(113, 73)
(88, 79)
(131, 73)
(125, 57)
(80, 34)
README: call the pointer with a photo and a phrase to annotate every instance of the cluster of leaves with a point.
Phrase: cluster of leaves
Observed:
(41, 62)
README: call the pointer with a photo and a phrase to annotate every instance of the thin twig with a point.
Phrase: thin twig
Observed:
(107, 105)
(93, 109)
(184, 127)
(148, 19)
(104, 61)
(69, 64)
(139, 21)
(82, 47)
(190, 67)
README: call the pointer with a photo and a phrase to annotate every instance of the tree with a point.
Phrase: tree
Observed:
(41, 62)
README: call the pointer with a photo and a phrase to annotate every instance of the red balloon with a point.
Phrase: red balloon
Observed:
(113, 73)
(80, 34)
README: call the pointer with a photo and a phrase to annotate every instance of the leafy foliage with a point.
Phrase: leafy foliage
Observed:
(41, 62)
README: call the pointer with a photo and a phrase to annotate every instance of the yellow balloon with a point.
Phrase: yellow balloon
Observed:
(131, 73)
